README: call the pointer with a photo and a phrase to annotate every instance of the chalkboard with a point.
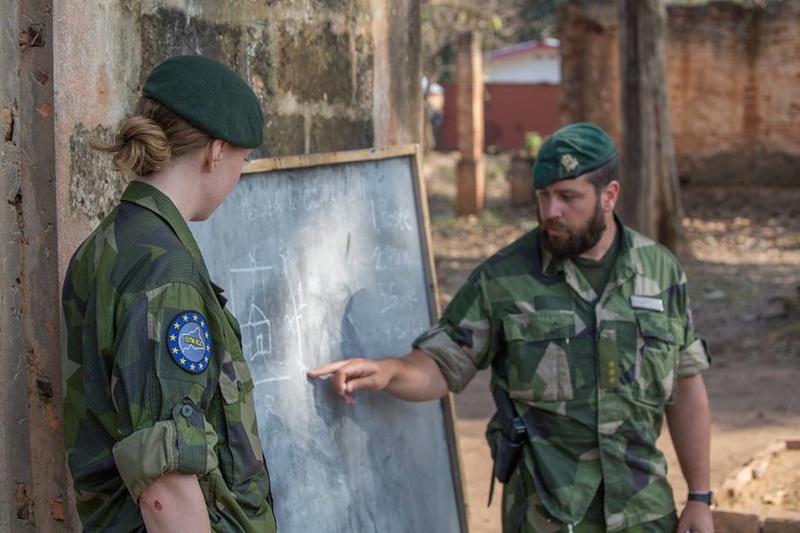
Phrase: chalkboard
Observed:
(326, 257)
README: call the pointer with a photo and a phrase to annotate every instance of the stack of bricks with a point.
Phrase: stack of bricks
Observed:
(737, 521)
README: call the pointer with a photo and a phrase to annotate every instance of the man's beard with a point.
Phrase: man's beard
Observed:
(575, 243)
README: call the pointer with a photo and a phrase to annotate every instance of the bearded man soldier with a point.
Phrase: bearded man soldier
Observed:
(587, 329)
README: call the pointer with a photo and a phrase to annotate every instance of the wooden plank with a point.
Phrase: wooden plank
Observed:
(330, 158)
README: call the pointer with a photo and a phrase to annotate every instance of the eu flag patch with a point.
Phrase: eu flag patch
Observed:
(189, 341)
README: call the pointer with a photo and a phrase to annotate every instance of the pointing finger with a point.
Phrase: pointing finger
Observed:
(325, 370)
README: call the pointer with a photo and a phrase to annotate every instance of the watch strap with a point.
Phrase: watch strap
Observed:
(705, 497)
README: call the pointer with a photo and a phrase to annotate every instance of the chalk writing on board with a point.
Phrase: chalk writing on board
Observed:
(404, 328)
(396, 296)
(323, 263)
(257, 334)
(387, 256)
(256, 328)
(294, 319)
(383, 216)
(276, 203)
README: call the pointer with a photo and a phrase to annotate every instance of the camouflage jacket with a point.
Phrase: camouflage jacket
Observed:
(591, 376)
(157, 382)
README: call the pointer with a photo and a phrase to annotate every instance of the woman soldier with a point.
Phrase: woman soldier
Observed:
(160, 426)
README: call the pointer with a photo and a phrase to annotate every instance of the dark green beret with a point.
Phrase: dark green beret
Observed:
(570, 152)
(209, 96)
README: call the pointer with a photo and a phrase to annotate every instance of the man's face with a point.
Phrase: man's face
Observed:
(571, 217)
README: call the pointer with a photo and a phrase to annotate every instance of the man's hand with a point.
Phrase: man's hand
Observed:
(414, 377)
(696, 517)
(353, 375)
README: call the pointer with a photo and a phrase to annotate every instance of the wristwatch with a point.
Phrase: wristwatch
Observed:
(704, 497)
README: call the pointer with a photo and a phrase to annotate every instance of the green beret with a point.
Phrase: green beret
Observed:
(210, 96)
(570, 152)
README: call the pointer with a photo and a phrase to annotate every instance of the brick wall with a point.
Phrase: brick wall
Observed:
(510, 110)
(732, 74)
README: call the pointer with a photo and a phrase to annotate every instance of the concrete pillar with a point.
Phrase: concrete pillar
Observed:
(13, 391)
(33, 465)
(470, 175)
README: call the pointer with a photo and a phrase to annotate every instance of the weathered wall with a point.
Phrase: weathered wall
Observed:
(590, 65)
(505, 120)
(10, 323)
(331, 75)
(33, 478)
(732, 82)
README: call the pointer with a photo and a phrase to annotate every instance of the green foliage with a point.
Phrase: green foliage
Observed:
(495, 169)
(491, 218)
(533, 141)
(497, 23)
(540, 20)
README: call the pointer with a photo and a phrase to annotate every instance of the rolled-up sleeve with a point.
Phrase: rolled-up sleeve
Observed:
(463, 341)
(162, 428)
(185, 444)
(454, 362)
(693, 359)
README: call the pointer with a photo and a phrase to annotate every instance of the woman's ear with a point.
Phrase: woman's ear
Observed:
(214, 153)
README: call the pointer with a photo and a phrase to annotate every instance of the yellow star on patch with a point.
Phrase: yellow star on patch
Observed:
(191, 366)
(172, 337)
(183, 360)
(174, 350)
(186, 318)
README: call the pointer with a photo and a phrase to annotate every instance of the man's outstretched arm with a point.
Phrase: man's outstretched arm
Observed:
(415, 377)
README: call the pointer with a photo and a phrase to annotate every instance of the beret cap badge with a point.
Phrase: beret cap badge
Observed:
(568, 162)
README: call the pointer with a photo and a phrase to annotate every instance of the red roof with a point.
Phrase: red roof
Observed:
(520, 48)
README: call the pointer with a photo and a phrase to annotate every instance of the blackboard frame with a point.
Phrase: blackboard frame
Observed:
(410, 155)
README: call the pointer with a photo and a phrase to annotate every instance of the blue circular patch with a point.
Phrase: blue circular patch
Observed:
(189, 342)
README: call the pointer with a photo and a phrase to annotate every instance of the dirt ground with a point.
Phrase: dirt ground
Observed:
(744, 279)
(776, 492)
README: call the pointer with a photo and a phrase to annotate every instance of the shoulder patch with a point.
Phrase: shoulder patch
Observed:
(189, 341)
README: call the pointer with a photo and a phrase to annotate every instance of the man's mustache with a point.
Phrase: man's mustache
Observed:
(554, 224)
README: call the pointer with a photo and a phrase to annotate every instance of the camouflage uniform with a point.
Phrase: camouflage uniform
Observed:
(132, 412)
(590, 376)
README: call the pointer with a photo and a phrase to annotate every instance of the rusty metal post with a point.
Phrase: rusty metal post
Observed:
(32, 460)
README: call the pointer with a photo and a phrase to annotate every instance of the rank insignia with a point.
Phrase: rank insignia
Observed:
(189, 341)
(569, 162)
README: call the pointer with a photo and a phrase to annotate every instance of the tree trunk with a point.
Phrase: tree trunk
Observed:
(470, 179)
(650, 200)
